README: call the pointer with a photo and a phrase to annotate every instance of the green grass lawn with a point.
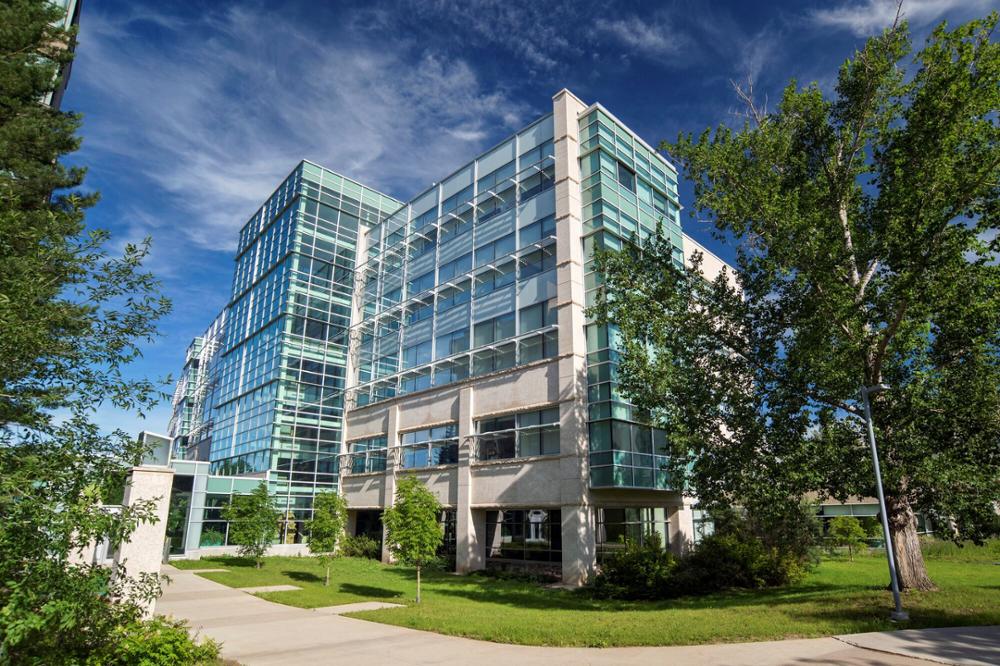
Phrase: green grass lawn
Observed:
(838, 597)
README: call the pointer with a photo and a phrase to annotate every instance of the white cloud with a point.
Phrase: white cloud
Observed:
(539, 34)
(216, 114)
(872, 16)
(654, 38)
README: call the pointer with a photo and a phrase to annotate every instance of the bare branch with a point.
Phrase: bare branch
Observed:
(759, 114)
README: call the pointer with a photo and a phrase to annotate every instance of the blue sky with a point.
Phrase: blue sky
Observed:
(195, 111)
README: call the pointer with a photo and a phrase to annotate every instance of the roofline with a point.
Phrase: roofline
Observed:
(654, 151)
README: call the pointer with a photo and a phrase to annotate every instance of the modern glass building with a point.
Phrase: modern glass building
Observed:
(446, 337)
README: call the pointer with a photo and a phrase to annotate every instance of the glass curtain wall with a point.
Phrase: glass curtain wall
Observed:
(450, 280)
(283, 365)
(627, 191)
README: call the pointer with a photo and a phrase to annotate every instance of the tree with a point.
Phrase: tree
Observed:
(253, 523)
(413, 532)
(327, 527)
(846, 531)
(72, 318)
(864, 226)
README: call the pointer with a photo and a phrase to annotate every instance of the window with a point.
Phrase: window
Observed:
(534, 433)
(498, 249)
(420, 283)
(492, 360)
(455, 224)
(419, 312)
(538, 230)
(536, 154)
(455, 267)
(368, 455)
(416, 381)
(417, 354)
(537, 437)
(451, 371)
(537, 180)
(430, 446)
(451, 343)
(615, 525)
(537, 316)
(452, 296)
(501, 176)
(538, 261)
(496, 192)
(537, 347)
(492, 330)
(626, 177)
(423, 242)
(456, 200)
(524, 534)
(496, 278)
(425, 218)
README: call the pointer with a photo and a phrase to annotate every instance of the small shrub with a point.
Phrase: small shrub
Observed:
(638, 571)
(847, 531)
(157, 642)
(361, 545)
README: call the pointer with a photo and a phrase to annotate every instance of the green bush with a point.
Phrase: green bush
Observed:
(157, 642)
(735, 560)
(361, 545)
(638, 571)
(742, 553)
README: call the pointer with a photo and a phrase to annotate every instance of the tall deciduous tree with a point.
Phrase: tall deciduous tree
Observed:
(253, 523)
(865, 232)
(72, 317)
(326, 529)
(414, 534)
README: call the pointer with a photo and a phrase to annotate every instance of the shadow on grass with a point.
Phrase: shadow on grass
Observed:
(370, 591)
(302, 576)
(875, 617)
(521, 594)
(229, 561)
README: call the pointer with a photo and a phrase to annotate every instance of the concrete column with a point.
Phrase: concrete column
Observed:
(579, 550)
(470, 526)
(682, 528)
(143, 552)
(578, 538)
(389, 486)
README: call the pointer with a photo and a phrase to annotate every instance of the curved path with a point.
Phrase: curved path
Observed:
(258, 632)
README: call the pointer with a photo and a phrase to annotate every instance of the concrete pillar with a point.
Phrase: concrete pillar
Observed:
(470, 526)
(389, 486)
(578, 537)
(143, 552)
(579, 550)
(682, 528)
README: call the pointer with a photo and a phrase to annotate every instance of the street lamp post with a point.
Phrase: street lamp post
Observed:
(898, 615)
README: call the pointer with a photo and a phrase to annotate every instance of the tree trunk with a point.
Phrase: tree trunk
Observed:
(326, 583)
(912, 571)
(418, 583)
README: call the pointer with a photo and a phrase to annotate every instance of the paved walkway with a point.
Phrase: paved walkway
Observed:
(258, 632)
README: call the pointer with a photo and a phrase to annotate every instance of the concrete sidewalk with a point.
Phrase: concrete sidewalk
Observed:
(257, 632)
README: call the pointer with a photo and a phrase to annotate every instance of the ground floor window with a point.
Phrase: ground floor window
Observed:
(524, 534)
(616, 524)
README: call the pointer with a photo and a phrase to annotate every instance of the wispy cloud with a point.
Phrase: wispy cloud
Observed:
(539, 35)
(652, 38)
(872, 16)
(218, 116)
